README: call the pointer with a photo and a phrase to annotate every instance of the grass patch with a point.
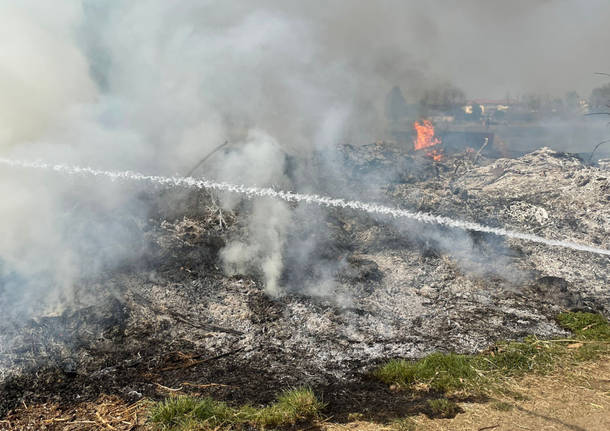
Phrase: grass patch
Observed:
(355, 417)
(403, 425)
(190, 414)
(517, 358)
(445, 372)
(591, 333)
(590, 352)
(586, 326)
(442, 408)
(184, 413)
(442, 372)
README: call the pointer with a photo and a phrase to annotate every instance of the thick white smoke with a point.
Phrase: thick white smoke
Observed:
(259, 161)
(43, 73)
(154, 86)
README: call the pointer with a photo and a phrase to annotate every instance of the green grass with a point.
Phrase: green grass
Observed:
(190, 414)
(440, 371)
(586, 326)
(176, 413)
(515, 358)
(445, 372)
(406, 424)
(442, 408)
(592, 330)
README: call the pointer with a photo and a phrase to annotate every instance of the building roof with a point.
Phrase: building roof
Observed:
(493, 101)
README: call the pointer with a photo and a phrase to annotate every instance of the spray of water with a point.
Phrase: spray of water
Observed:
(254, 192)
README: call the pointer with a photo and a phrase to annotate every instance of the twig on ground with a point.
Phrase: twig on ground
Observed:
(204, 326)
(193, 363)
(48, 421)
(104, 421)
(209, 385)
(168, 389)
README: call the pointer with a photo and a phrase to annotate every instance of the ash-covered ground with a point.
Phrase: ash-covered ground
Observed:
(175, 319)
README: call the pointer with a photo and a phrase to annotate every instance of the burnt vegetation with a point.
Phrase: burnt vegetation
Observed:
(175, 324)
(214, 216)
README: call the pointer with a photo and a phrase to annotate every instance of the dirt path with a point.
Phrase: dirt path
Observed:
(578, 400)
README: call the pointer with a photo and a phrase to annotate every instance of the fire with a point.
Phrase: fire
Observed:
(425, 139)
(436, 155)
(425, 135)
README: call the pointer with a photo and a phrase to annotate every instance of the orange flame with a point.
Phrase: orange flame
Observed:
(425, 135)
(436, 155)
(425, 139)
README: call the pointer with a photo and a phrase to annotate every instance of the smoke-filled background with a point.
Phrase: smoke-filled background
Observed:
(153, 86)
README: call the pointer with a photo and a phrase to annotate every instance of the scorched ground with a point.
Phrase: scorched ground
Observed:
(401, 290)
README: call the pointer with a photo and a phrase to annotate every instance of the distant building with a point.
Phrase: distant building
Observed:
(488, 106)
(442, 118)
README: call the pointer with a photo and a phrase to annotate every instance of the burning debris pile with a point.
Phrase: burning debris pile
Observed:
(425, 139)
(395, 287)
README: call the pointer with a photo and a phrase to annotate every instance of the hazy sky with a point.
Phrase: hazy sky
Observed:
(488, 48)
